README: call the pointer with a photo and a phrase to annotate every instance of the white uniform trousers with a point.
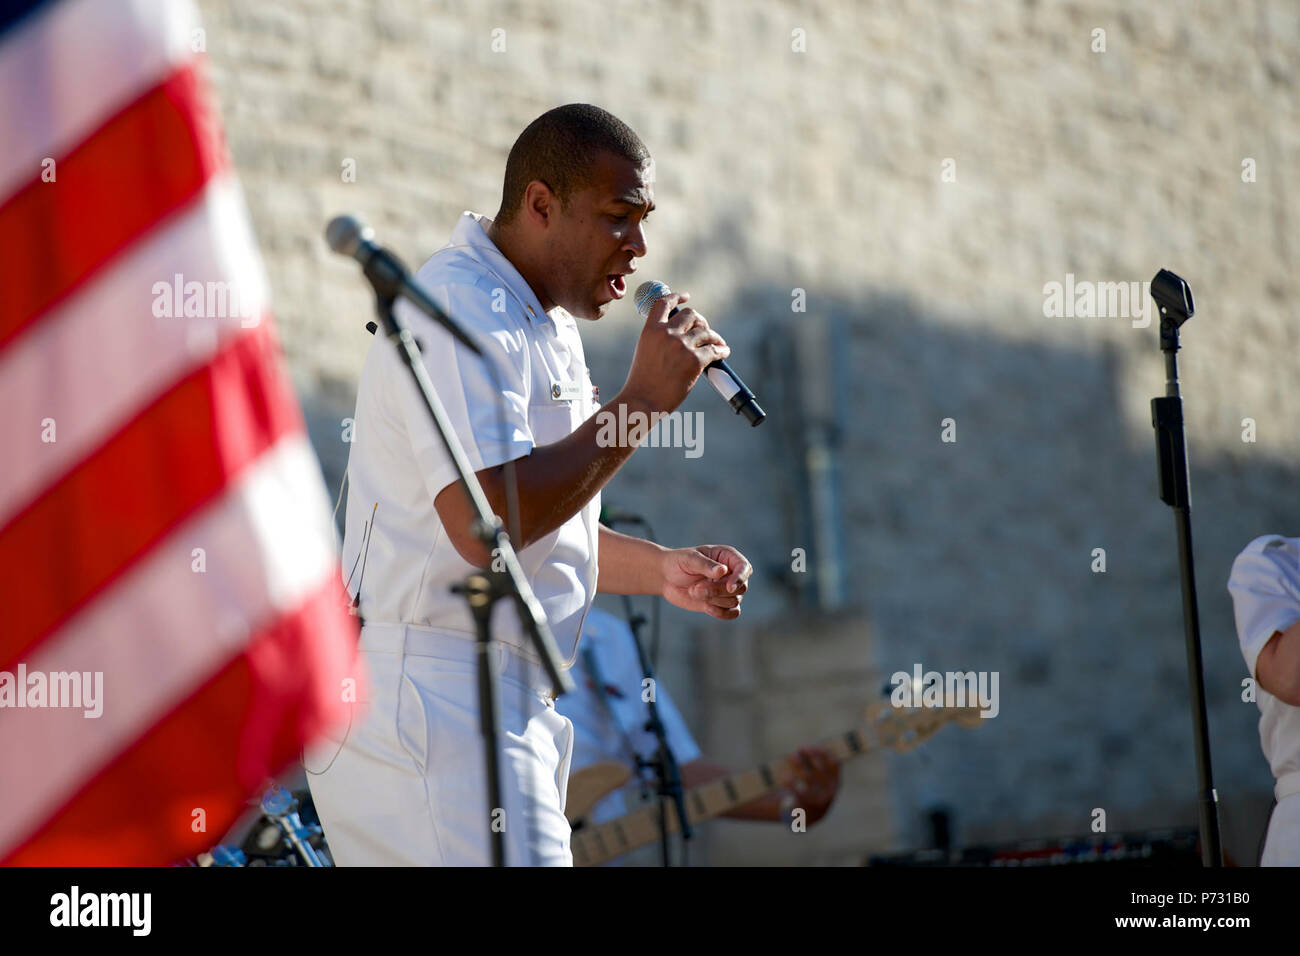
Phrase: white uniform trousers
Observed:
(406, 785)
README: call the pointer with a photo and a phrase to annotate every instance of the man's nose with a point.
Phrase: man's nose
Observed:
(635, 242)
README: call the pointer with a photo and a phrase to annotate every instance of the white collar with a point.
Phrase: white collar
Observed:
(471, 230)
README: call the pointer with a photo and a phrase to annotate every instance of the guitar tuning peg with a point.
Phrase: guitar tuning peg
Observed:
(876, 711)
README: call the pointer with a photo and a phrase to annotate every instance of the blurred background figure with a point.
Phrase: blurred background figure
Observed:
(609, 711)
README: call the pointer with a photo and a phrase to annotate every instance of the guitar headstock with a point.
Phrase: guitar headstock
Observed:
(903, 728)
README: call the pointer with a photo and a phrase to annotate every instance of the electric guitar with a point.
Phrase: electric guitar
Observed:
(887, 728)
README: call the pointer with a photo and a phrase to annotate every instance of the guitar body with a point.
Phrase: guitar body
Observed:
(590, 785)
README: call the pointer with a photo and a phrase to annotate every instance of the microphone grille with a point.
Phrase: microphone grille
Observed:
(345, 234)
(647, 293)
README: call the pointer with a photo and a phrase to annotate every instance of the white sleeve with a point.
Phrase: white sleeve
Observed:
(486, 399)
(1265, 589)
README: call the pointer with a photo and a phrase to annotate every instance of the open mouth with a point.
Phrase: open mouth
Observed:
(617, 285)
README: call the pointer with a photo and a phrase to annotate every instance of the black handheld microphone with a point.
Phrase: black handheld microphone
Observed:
(724, 381)
(388, 274)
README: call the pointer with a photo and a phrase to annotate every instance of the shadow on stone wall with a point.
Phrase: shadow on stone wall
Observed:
(969, 555)
(977, 555)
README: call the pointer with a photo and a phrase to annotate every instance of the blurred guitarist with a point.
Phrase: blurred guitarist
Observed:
(609, 715)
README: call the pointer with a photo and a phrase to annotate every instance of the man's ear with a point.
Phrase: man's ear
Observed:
(539, 203)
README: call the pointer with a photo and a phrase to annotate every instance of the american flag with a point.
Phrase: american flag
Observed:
(164, 529)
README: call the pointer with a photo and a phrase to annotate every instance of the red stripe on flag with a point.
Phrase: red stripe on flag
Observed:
(219, 746)
(168, 462)
(151, 159)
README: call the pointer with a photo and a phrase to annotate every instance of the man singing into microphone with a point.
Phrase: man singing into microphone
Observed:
(407, 786)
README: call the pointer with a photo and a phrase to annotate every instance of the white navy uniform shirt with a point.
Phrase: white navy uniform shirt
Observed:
(1265, 589)
(598, 731)
(398, 461)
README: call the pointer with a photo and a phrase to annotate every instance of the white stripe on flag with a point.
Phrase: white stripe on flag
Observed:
(102, 356)
(73, 65)
(165, 629)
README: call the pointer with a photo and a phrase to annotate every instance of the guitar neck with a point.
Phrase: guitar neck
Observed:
(597, 844)
(887, 729)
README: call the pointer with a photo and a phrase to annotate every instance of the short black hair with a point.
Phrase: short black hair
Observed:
(560, 148)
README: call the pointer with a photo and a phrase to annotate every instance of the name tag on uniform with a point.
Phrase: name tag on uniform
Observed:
(565, 391)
